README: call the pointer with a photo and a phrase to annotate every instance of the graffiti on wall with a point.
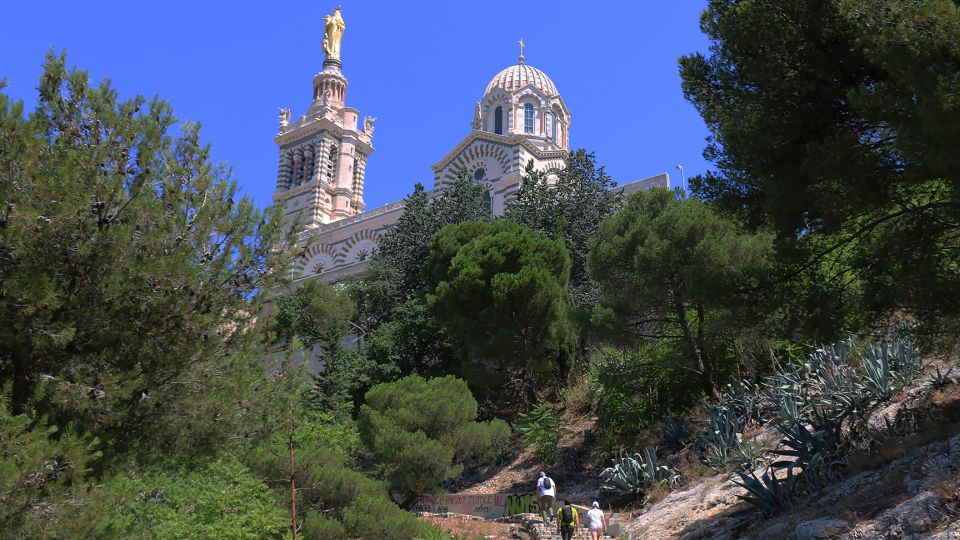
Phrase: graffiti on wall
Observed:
(487, 506)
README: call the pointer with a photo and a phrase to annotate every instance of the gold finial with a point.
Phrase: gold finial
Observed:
(522, 45)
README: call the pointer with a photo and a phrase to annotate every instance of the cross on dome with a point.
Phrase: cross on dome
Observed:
(522, 45)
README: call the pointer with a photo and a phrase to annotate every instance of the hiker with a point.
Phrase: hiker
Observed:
(567, 520)
(598, 521)
(546, 494)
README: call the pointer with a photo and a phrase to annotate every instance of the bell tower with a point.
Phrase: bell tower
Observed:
(323, 154)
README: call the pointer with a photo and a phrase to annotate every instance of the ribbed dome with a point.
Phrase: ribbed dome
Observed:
(515, 77)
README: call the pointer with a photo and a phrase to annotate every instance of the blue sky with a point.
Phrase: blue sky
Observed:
(418, 67)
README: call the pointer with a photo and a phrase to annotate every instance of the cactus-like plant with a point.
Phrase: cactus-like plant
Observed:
(675, 432)
(768, 493)
(631, 475)
(940, 379)
(817, 451)
(625, 477)
(746, 400)
(723, 445)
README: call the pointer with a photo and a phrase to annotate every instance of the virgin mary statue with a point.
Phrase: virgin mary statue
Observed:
(333, 34)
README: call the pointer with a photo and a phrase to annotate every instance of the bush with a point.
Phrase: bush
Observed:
(423, 431)
(541, 427)
(322, 431)
(635, 389)
(369, 517)
(222, 501)
(317, 525)
(333, 501)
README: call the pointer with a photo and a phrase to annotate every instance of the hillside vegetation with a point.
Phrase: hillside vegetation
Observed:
(757, 348)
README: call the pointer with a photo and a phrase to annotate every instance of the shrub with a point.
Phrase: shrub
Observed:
(636, 388)
(223, 501)
(369, 517)
(317, 525)
(541, 428)
(423, 431)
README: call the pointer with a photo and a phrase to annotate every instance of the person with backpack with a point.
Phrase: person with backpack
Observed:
(546, 494)
(567, 520)
(598, 521)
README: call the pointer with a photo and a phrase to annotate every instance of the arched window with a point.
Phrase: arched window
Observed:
(528, 118)
(479, 175)
(331, 163)
(487, 200)
(498, 121)
(298, 168)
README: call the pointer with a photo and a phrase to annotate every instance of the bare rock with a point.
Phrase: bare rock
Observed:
(822, 528)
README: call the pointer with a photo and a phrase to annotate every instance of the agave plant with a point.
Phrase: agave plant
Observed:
(839, 390)
(940, 379)
(768, 493)
(746, 400)
(816, 451)
(675, 432)
(630, 475)
(721, 437)
(889, 367)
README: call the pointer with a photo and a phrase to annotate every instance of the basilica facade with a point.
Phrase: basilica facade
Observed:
(520, 118)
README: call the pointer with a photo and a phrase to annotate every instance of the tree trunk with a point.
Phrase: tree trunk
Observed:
(293, 484)
(708, 367)
(701, 367)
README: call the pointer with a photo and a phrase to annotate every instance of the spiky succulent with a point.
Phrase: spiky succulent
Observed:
(631, 475)
(768, 492)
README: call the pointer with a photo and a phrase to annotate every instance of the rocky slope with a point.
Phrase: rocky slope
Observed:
(908, 488)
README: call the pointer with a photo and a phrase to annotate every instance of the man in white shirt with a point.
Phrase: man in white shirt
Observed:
(546, 494)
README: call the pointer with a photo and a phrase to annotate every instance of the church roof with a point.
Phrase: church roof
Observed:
(516, 77)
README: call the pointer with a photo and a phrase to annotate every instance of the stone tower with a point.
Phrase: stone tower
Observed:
(323, 154)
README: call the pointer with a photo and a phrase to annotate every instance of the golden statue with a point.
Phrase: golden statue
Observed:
(333, 34)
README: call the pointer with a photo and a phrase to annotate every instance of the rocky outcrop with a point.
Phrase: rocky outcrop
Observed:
(910, 498)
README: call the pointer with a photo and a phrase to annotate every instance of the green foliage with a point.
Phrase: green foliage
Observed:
(676, 271)
(835, 122)
(400, 330)
(317, 313)
(941, 379)
(634, 388)
(501, 289)
(323, 430)
(412, 339)
(39, 464)
(402, 251)
(222, 501)
(423, 432)
(347, 375)
(632, 475)
(333, 501)
(542, 427)
(569, 208)
(131, 268)
(375, 517)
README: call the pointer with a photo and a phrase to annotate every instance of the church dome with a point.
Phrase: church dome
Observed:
(516, 77)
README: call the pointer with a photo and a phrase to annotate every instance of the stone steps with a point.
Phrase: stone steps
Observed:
(541, 531)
